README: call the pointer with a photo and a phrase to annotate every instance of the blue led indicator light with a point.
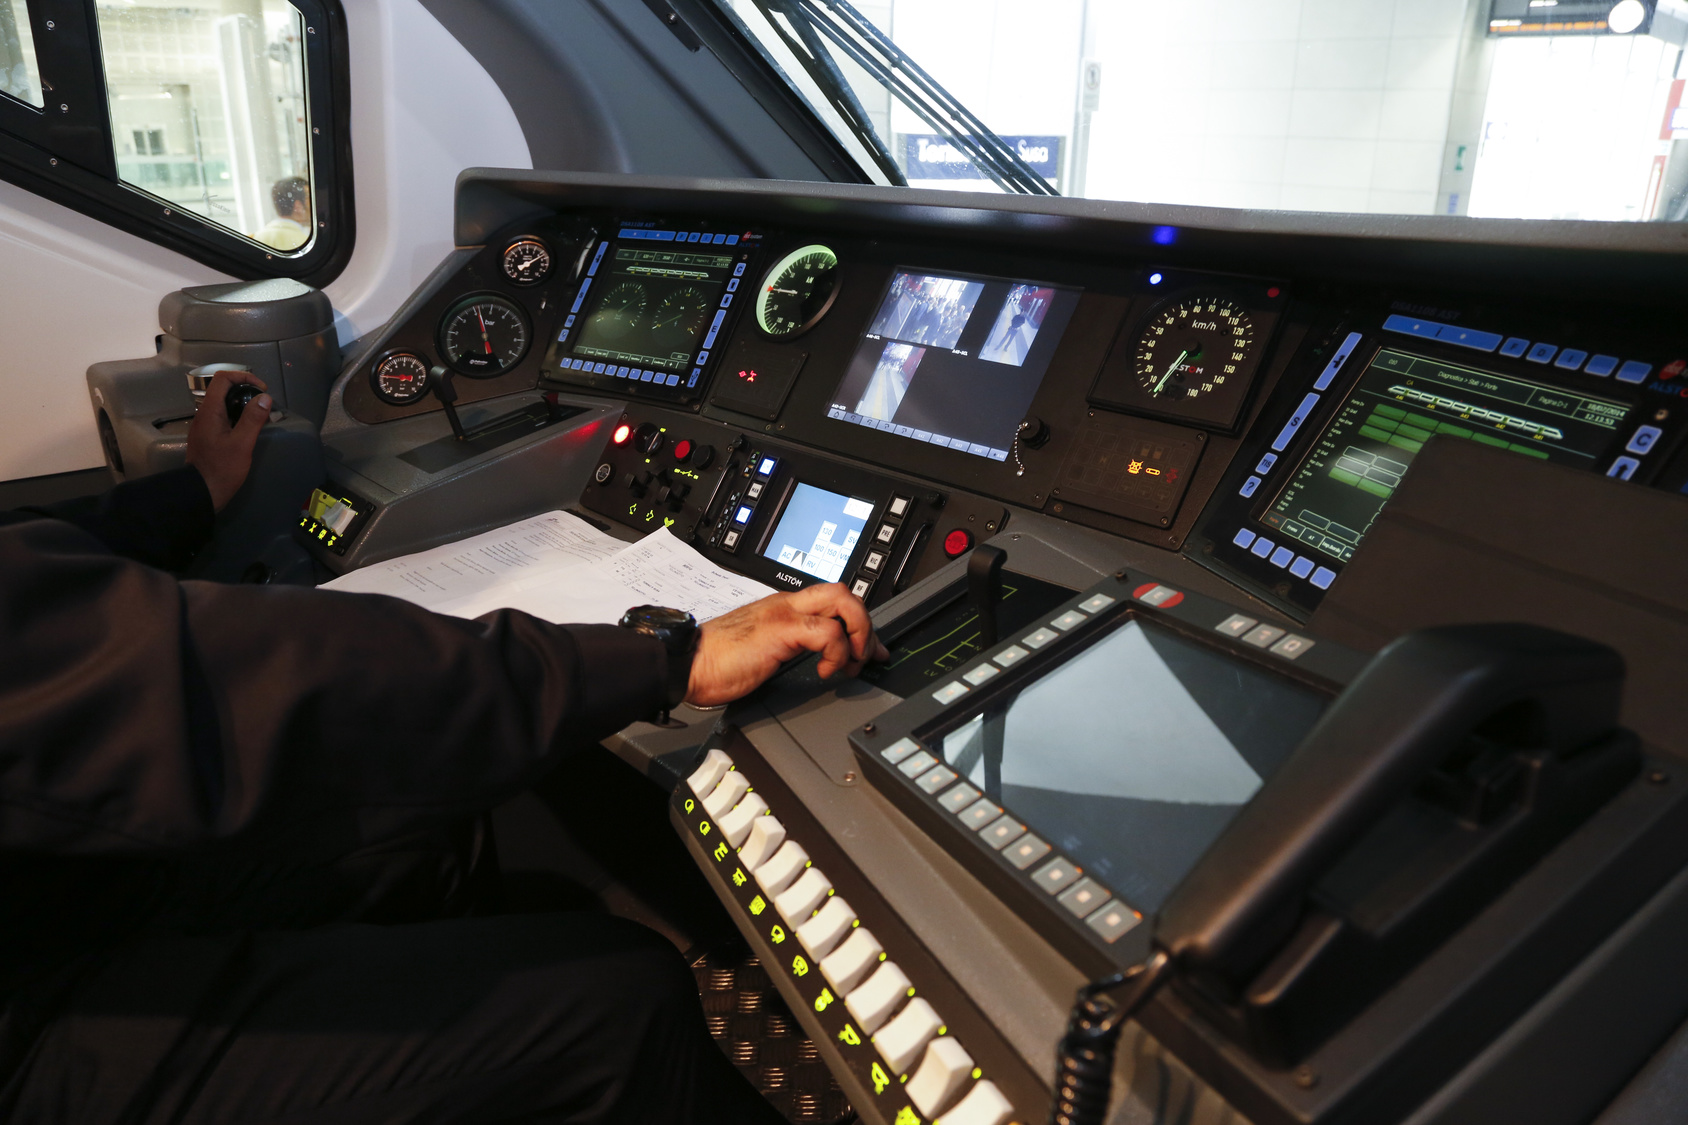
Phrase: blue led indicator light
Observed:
(1156, 278)
(1165, 236)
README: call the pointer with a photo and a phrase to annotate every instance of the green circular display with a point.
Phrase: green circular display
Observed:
(797, 292)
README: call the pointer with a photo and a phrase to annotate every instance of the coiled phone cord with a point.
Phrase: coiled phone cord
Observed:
(1084, 1061)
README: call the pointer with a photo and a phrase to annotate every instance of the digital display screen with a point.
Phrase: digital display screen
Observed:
(331, 519)
(1134, 755)
(954, 361)
(818, 531)
(647, 312)
(1398, 404)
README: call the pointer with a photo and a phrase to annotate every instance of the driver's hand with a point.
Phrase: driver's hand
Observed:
(223, 453)
(738, 651)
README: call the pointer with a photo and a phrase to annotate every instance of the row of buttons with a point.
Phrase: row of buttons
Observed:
(1278, 642)
(680, 236)
(1080, 895)
(879, 547)
(904, 1028)
(631, 374)
(1514, 347)
(1284, 558)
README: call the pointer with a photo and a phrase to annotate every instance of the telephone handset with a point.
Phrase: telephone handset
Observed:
(1504, 738)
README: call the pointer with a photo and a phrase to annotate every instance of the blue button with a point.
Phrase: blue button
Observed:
(673, 379)
(716, 323)
(581, 295)
(1634, 371)
(568, 322)
(738, 270)
(1282, 556)
(732, 240)
(1243, 537)
(693, 236)
(1323, 577)
(1541, 353)
(1515, 347)
(1412, 326)
(1469, 338)
(1262, 547)
(1266, 463)
(720, 238)
(727, 300)
(621, 371)
(732, 286)
(1287, 434)
(563, 335)
(1336, 361)
(1301, 567)
(1643, 439)
(1602, 365)
(1570, 359)
(1249, 487)
(1623, 468)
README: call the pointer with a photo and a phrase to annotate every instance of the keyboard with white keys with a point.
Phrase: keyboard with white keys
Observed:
(906, 1043)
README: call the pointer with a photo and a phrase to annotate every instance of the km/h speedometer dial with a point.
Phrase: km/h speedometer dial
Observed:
(1192, 348)
(484, 336)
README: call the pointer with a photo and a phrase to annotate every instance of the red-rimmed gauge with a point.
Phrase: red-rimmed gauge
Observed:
(399, 378)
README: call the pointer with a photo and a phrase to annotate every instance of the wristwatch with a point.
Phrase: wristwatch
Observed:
(678, 632)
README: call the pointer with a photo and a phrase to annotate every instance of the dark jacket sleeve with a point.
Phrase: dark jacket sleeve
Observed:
(138, 713)
(162, 520)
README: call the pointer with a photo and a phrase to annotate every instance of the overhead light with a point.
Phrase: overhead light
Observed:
(1626, 16)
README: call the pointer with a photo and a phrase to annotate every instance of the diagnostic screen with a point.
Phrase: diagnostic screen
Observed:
(817, 531)
(954, 361)
(1401, 400)
(650, 310)
(1134, 755)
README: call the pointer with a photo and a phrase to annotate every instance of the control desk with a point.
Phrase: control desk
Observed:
(1180, 438)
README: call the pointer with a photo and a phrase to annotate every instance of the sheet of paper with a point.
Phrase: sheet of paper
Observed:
(460, 573)
(657, 570)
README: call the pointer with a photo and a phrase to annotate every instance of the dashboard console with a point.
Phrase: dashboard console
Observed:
(1179, 437)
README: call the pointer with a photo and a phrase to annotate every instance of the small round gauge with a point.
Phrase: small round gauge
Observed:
(400, 378)
(681, 311)
(526, 261)
(484, 336)
(797, 292)
(620, 310)
(1192, 347)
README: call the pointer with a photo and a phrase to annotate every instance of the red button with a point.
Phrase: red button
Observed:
(683, 450)
(622, 433)
(958, 542)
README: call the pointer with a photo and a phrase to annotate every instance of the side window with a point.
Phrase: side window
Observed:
(19, 76)
(217, 127)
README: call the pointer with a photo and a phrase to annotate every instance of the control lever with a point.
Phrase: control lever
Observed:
(441, 382)
(984, 588)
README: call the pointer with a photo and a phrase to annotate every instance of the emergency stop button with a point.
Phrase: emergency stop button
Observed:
(958, 542)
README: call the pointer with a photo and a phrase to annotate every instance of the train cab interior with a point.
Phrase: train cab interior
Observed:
(1265, 421)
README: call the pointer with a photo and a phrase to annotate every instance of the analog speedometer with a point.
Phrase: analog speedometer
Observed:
(484, 336)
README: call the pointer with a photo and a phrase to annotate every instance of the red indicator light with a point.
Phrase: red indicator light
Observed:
(1674, 368)
(622, 433)
(1272, 292)
(682, 450)
(749, 376)
(958, 542)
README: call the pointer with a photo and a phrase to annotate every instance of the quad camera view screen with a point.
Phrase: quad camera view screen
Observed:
(1398, 404)
(1134, 755)
(817, 531)
(954, 361)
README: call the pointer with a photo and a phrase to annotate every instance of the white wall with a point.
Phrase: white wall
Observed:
(1294, 104)
(74, 291)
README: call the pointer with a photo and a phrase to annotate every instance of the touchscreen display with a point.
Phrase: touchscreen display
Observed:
(817, 531)
(651, 308)
(954, 361)
(1400, 401)
(1134, 755)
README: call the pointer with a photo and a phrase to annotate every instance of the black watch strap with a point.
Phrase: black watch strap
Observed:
(678, 632)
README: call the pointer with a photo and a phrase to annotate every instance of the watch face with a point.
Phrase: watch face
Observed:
(658, 619)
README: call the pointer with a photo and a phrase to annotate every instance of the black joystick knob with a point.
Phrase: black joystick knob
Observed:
(1033, 432)
(239, 395)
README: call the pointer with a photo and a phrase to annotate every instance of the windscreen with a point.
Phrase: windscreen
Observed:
(1133, 756)
(954, 361)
